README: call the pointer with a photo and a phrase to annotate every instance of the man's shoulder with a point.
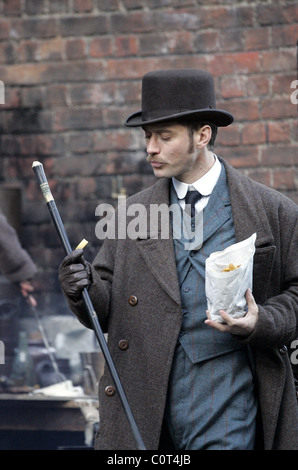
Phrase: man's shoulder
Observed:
(250, 188)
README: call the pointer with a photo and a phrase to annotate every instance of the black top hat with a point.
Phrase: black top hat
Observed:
(169, 95)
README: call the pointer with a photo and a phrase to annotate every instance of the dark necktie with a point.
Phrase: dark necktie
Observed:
(191, 198)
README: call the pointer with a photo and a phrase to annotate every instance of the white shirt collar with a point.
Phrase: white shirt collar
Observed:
(204, 185)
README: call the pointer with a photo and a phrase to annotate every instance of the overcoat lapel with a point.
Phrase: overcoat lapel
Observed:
(249, 217)
(248, 211)
(158, 252)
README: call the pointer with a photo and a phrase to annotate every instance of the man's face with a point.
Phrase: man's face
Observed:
(171, 151)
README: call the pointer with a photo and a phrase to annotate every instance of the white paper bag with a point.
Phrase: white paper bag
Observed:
(225, 290)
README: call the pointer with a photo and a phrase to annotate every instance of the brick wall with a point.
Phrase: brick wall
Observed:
(72, 71)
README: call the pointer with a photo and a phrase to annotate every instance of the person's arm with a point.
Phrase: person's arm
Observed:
(15, 263)
(275, 322)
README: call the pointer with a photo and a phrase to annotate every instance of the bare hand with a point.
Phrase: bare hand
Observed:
(237, 326)
(26, 289)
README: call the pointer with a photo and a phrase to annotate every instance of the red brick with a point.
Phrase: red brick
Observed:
(134, 22)
(50, 145)
(257, 38)
(83, 6)
(284, 178)
(241, 62)
(58, 6)
(274, 14)
(279, 61)
(226, 17)
(12, 98)
(74, 119)
(56, 95)
(32, 7)
(243, 109)
(12, 7)
(284, 35)
(263, 176)
(232, 39)
(279, 155)
(254, 133)
(233, 86)
(86, 187)
(4, 29)
(29, 28)
(258, 85)
(229, 136)
(81, 143)
(179, 20)
(281, 83)
(246, 157)
(101, 47)
(83, 26)
(206, 41)
(75, 49)
(50, 49)
(108, 5)
(26, 51)
(32, 97)
(112, 140)
(278, 108)
(93, 93)
(279, 132)
(6, 52)
(127, 46)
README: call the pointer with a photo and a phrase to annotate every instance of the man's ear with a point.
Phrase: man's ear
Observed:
(203, 136)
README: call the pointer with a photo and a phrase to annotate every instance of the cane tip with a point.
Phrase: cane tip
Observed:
(36, 164)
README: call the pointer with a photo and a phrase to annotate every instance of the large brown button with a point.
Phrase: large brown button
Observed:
(133, 300)
(110, 391)
(123, 344)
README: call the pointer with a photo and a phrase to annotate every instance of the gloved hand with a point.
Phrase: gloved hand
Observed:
(74, 274)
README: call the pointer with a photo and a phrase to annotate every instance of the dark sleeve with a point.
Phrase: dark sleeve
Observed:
(15, 262)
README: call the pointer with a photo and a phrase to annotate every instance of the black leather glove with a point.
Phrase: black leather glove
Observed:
(74, 274)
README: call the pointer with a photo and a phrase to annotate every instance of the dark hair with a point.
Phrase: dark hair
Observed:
(194, 126)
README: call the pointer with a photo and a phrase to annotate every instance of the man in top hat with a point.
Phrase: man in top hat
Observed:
(193, 383)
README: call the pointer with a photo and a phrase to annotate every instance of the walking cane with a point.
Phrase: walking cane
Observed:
(44, 186)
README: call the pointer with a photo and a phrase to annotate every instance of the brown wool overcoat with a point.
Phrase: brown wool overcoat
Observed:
(136, 295)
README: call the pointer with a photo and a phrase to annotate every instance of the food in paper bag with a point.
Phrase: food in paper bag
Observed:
(231, 267)
(228, 276)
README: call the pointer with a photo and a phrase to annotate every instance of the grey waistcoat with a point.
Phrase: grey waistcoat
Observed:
(199, 341)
